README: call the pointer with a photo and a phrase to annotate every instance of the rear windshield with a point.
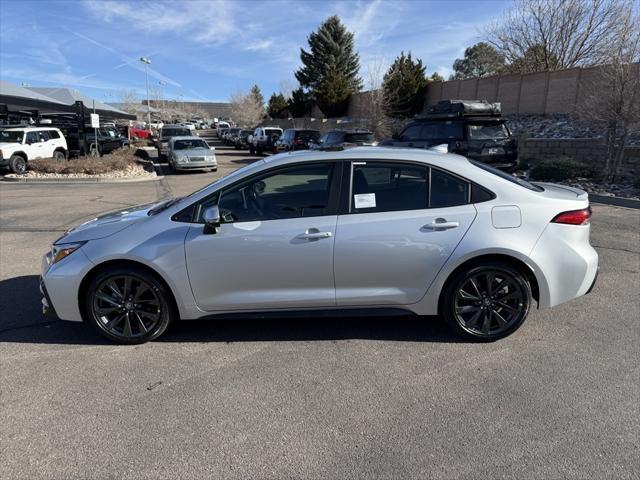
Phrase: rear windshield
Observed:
(442, 131)
(175, 132)
(189, 145)
(272, 131)
(308, 134)
(358, 137)
(506, 176)
(488, 131)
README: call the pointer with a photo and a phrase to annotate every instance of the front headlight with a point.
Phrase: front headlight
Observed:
(183, 159)
(58, 252)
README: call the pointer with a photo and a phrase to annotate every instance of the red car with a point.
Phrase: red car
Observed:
(136, 133)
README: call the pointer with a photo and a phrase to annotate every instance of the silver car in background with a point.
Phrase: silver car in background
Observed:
(191, 153)
(413, 231)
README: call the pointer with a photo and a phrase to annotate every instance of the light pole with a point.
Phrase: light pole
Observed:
(162, 84)
(147, 62)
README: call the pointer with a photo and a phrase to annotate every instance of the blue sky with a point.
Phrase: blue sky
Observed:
(208, 49)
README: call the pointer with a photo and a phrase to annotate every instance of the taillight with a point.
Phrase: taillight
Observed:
(574, 217)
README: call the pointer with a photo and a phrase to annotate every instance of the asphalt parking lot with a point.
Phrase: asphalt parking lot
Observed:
(341, 398)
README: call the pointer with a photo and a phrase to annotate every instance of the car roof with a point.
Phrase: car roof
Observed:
(173, 125)
(32, 129)
(186, 137)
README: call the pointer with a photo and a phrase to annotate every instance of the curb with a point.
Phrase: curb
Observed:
(86, 180)
(615, 201)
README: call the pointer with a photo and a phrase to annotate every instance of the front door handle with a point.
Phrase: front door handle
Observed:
(441, 224)
(314, 234)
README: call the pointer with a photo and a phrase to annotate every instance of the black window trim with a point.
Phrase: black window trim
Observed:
(334, 190)
(346, 198)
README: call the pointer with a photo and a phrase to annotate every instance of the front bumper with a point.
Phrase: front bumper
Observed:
(47, 305)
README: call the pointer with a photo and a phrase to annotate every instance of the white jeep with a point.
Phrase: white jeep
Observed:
(20, 145)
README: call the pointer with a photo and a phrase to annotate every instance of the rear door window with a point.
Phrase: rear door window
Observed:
(384, 187)
(447, 190)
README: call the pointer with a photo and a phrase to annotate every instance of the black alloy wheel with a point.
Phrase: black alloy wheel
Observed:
(128, 306)
(488, 302)
(18, 164)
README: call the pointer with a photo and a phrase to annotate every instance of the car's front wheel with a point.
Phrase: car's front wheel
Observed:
(17, 164)
(486, 302)
(128, 305)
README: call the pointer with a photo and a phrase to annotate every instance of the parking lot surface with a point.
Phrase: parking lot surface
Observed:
(312, 398)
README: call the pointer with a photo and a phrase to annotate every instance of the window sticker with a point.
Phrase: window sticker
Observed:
(365, 200)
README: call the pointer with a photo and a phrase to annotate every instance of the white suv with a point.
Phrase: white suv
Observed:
(20, 145)
(264, 138)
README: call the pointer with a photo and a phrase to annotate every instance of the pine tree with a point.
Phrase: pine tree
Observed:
(277, 103)
(257, 95)
(299, 103)
(404, 86)
(480, 60)
(330, 67)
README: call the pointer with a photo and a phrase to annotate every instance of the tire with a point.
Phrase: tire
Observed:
(59, 156)
(251, 150)
(111, 307)
(473, 311)
(18, 164)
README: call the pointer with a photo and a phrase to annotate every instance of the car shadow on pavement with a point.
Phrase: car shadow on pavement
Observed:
(22, 321)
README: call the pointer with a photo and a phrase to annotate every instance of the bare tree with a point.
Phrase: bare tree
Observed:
(246, 110)
(538, 35)
(374, 105)
(130, 101)
(613, 99)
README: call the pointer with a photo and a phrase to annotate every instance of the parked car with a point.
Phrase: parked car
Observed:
(166, 133)
(472, 128)
(221, 128)
(335, 139)
(296, 139)
(190, 153)
(414, 231)
(264, 139)
(191, 126)
(18, 146)
(138, 132)
(243, 139)
(229, 136)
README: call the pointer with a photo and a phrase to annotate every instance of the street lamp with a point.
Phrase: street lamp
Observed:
(147, 62)
(162, 84)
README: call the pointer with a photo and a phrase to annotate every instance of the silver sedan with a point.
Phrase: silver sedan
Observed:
(357, 231)
(191, 153)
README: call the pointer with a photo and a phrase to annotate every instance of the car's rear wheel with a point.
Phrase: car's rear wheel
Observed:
(128, 305)
(59, 156)
(487, 302)
(18, 164)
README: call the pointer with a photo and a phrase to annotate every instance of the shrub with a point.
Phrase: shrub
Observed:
(560, 169)
(118, 160)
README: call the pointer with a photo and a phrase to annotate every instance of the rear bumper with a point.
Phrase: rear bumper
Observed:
(567, 261)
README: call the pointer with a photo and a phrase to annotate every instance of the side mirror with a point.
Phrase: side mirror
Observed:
(211, 218)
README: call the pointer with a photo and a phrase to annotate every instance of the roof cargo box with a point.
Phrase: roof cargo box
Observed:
(464, 107)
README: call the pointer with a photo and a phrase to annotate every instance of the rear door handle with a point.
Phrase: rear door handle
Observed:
(311, 235)
(441, 224)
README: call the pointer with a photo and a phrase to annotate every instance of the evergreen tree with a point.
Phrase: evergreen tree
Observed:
(436, 77)
(404, 87)
(257, 95)
(480, 60)
(330, 67)
(299, 103)
(277, 103)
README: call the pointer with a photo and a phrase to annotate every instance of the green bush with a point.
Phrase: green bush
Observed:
(560, 169)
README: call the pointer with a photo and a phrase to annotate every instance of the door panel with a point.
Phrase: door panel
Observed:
(391, 258)
(263, 264)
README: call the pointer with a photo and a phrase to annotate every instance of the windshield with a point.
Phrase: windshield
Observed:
(358, 137)
(309, 135)
(506, 176)
(11, 137)
(175, 132)
(488, 131)
(189, 145)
